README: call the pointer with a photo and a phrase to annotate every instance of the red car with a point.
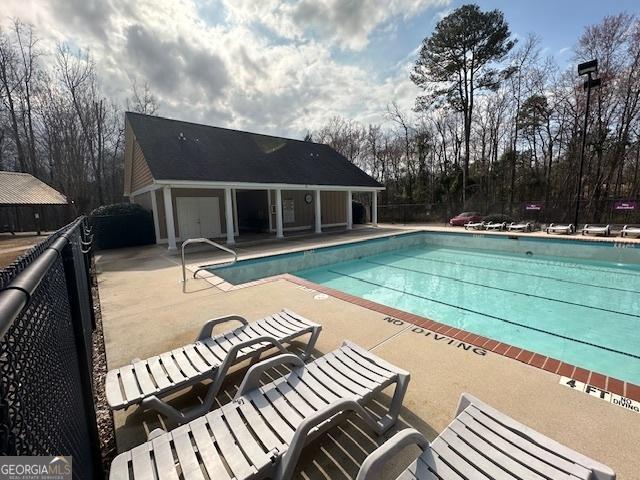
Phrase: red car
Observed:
(465, 217)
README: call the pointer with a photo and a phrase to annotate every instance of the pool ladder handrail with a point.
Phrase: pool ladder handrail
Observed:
(203, 267)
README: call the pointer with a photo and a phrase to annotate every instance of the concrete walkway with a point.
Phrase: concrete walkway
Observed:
(146, 311)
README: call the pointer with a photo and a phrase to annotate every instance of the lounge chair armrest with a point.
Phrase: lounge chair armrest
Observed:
(290, 458)
(251, 380)
(371, 468)
(207, 329)
(218, 379)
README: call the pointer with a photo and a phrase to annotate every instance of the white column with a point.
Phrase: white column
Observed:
(154, 210)
(279, 233)
(318, 212)
(168, 214)
(349, 210)
(235, 213)
(374, 208)
(228, 213)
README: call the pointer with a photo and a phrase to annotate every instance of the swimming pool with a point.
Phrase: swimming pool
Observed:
(584, 311)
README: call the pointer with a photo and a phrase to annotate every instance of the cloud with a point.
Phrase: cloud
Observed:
(347, 24)
(171, 64)
(265, 66)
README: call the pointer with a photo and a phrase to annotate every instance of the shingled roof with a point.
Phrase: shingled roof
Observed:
(25, 189)
(176, 150)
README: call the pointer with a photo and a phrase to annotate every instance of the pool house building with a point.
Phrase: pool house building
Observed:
(211, 182)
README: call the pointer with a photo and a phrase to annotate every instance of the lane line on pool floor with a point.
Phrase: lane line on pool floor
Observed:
(468, 265)
(502, 289)
(551, 263)
(511, 322)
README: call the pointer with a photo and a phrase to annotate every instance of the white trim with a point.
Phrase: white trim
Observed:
(168, 215)
(271, 229)
(262, 186)
(374, 208)
(279, 224)
(146, 189)
(318, 211)
(236, 229)
(228, 216)
(154, 209)
(349, 210)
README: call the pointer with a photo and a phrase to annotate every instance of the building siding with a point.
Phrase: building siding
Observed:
(144, 200)
(140, 173)
(332, 205)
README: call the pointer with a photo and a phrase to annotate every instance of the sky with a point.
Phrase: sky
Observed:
(273, 67)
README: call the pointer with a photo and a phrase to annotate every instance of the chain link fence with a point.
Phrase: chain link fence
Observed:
(610, 211)
(46, 325)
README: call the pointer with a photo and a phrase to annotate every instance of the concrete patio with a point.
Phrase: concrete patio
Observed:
(146, 311)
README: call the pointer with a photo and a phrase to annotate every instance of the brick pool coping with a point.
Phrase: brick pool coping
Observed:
(550, 364)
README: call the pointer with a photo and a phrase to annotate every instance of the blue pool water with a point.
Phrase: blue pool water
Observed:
(585, 312)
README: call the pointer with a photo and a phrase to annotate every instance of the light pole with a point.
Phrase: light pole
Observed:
(586, 68)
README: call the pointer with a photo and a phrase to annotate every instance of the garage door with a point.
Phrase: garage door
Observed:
(198, 217)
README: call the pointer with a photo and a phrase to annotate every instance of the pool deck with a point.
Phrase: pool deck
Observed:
(146, 311)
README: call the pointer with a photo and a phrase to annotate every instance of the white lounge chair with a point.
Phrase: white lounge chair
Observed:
(495, 226)
(566, 229)
(474, 225)
(596, 230)
(482, 442)
(210, 357)
(520, 227)
(629, 230)
(261, 433)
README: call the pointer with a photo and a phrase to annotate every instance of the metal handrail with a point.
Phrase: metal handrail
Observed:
(213, 244)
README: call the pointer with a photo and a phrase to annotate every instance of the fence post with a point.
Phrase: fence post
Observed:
(86, 374)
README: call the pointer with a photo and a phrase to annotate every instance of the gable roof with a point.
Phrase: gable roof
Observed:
(24, 189)
(176, 150)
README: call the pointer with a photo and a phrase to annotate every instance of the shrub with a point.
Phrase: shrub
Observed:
(119, 209)
(358, 212)
(497, 218)
(122, 225)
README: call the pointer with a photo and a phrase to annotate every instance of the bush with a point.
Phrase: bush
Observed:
(497, 218)
(358, 212)
(120, 209)
(122, 225)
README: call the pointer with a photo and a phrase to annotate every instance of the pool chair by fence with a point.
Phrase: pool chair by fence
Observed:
(596, 230)
(630, 230)
(482, 442)
(145, 382)
(495, 226)
(520, 227)
(566, 229)
(284, 415)
(474, 225)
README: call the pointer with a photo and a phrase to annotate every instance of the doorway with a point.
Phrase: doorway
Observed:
(198, 217)
(253, 211)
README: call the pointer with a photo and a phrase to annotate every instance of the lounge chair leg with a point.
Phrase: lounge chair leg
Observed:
(179, 417)
(289, 460)
(391, 417)
(311, 343)
(162, 407)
